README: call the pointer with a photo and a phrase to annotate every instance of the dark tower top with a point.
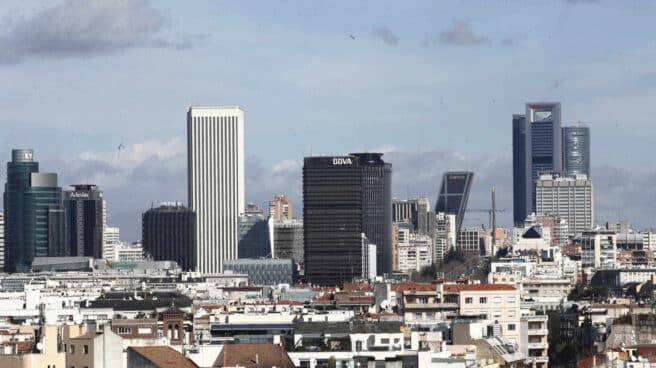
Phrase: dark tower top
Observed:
(169, 234)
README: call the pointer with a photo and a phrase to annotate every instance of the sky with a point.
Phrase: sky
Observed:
(431, 84)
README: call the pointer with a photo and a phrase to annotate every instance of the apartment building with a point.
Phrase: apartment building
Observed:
(497, 302)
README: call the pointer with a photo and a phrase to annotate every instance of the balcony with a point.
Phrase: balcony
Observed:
(537, 332)
(538, 345)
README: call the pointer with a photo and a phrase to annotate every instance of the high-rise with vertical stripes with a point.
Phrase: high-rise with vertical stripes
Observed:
(215, 150)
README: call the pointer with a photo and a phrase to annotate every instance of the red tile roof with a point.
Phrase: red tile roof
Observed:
(254, 356)
(413, 286)
(478, 287)
(164, 356)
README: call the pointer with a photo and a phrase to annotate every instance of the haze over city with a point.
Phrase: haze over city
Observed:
(433, 86)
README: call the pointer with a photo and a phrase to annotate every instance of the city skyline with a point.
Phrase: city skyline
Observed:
(77, 129)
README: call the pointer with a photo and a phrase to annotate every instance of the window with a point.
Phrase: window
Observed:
(384, 341)
(72, 349)
(469, 300)
(511, 327)
(497, 314)
(124, 330)
(86, 349)
(482, 300)
(496, 300)
(511, 299)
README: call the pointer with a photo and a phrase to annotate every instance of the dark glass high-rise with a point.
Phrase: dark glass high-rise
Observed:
(377, 207)
(84, 224)
(332, 216)
(454, 194)
(19, 169)
(169, 234)
(537, 148)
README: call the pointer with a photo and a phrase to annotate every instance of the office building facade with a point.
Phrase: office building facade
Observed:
(332, 215)
(254, 234)
(263, 271)
(169, 234)
(567, 197)
(288, 242)
(19, 169)
(576, 150)
(454, 194)
(57, 234)
(470, 241)
(377, 207)
(537, 148)
(44, 226)
(85, 208)
(215, 152)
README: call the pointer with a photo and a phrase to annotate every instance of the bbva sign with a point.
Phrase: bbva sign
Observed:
(342, 161)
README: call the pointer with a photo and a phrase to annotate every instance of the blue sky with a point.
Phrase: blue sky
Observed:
(432, 84)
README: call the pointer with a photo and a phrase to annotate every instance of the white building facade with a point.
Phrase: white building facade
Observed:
(567, 197)
(215, 153)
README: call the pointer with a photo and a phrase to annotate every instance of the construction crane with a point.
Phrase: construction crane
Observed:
(492, 215)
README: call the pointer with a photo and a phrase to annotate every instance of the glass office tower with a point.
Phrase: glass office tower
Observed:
(332, 215)
(20, 168)
(84, 220)
(576, 150)
(454, 194)
(537, 148)
(377, 207)
(43, 199)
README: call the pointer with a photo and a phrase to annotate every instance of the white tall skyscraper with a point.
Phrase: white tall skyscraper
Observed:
(215, 153)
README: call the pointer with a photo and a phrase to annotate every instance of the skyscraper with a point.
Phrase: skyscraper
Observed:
(576, 150)
(568, 197)
(377, 207)
(169, 234)
(537, 147)
(332, 215)
(281, 208)
(454, 194)
(521, 170)
(215, 150)
(20, 168)
(254, 234)
(43, 215)
(84, 220)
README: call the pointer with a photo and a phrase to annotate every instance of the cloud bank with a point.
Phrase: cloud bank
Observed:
(77, 28)
(461, 34)
(386, 35)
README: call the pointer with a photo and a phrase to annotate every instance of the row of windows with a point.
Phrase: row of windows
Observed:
(495, 300)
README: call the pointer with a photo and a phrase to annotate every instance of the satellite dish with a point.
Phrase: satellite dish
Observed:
(39, 346)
